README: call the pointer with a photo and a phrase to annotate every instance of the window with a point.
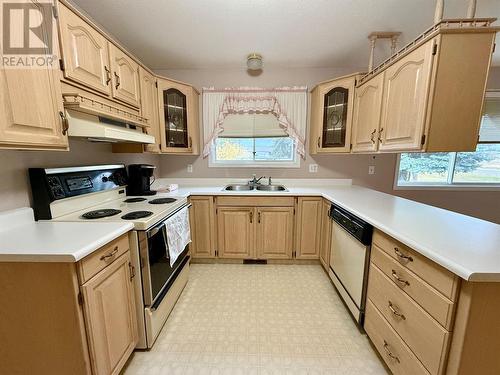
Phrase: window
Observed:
(458, 169)
(253, 140)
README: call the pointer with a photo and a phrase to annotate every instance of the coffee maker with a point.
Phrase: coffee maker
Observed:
(139, 179)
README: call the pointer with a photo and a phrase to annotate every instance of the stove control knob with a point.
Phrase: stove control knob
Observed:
(105, 178)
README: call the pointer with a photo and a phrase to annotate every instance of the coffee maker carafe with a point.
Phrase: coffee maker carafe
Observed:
(139, 179)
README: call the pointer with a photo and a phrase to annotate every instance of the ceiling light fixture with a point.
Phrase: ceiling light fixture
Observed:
(254, 61)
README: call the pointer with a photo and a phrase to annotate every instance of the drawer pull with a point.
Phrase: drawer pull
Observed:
(111, 254)
(402, 256)
(389, 353)
(399, 279)
(132, 270)
(395, 312)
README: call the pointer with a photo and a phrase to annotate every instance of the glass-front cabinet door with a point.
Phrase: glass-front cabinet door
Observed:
(175, 114)
(331, 115)
(178, 117)
(335, 118)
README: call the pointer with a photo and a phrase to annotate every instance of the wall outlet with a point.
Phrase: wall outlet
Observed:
(313, 168)
(371, 169)
(190, 168)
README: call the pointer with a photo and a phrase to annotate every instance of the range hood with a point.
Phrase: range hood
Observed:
(102, 129)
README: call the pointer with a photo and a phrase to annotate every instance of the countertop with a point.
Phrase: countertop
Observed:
(24, 240)
(467, 246)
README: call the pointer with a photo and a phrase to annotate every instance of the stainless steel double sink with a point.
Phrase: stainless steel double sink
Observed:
(248, 187)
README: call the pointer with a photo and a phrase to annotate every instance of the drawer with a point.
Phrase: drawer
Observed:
(100, 259)
(437, 276)
(256, 201)
(440, 307)
(396, 354)
(423, 335)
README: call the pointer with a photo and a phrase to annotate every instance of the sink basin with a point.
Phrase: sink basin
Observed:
(271, 187)
(238, 187)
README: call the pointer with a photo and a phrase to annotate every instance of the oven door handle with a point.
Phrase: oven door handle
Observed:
(155, 230)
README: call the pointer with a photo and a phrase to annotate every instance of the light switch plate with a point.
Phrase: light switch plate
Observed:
(371, 169)
(313, 168)
(190, 168)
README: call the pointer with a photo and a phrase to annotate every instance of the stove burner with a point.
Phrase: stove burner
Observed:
(162, 200)
(136, 215)
(97, 214)
(134, 200)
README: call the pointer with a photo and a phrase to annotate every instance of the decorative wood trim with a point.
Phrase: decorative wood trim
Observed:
(82, 103)
(459, 25)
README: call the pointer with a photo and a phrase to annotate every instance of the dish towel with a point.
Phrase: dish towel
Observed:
(178, 234)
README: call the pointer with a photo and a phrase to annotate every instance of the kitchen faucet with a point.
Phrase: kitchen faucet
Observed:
(255, 180)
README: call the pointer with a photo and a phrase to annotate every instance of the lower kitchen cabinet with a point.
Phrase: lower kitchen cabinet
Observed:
(109, 309)
(236, 232)
(423, 319)
(255, 227)
(202, 221)
(326, 235)
(308, 226)
(274, 232)
(67, 318)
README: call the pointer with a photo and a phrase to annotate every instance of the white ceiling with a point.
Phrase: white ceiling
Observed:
(193, 34)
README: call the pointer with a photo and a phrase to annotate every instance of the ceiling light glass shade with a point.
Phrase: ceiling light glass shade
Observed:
(254, 61)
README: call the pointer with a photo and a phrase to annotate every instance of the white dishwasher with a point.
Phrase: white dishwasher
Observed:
(349, 259)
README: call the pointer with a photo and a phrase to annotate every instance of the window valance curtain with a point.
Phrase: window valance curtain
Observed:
(288, 104)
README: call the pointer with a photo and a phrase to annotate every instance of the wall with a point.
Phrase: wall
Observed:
(14, 186)
(482, 204)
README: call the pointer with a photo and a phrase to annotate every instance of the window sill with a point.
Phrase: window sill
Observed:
(456, 187)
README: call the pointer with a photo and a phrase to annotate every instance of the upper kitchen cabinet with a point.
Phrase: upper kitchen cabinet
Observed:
(31, 115)
(85, 52)
(125, 77)
(405, 105)
(366, 119)
(331, 115)
(149, 108)
(178, 117)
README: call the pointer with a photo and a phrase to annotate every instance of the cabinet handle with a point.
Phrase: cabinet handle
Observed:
(132, 270)
(372, 135)
(190, 142)
(251, 217)
(258, 218)
(319, 142)
(395, 312)
(117, 79)
(399, 279)
(380, 135)
(65, 123)
(108, 75)
(111, 254)
(402, 256)
(389, 353)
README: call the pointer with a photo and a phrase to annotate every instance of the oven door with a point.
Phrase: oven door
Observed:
(157, 271)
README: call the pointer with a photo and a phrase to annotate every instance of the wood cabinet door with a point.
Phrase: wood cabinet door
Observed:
(325, 234)
(404, 102)
(31, 107)
(178, 118)
(308, 227)
(236, 232)
(125, 76)
(84, 51)
(110, 318)
(149, 108)
(366, 118)
(274, 239)
(202, 220)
